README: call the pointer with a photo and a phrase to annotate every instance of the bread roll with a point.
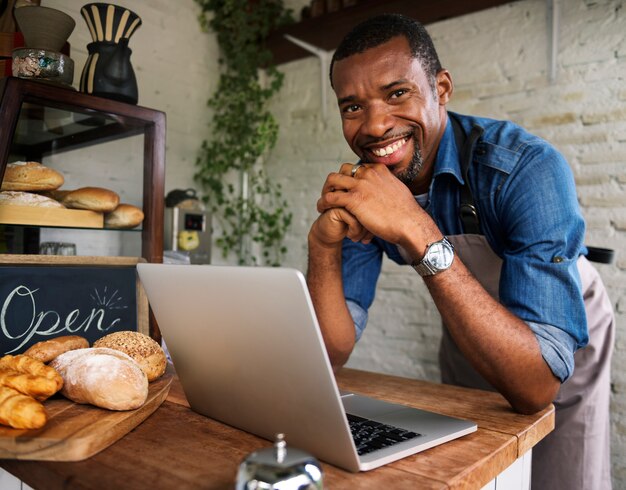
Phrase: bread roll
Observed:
(140, 347)
(18, 198)
(102, 377)
(92, 199)
(123, 217)
(46, 350)
(30, 176)
(20, 411)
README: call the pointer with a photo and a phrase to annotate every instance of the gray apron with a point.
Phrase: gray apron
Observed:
(576, 455)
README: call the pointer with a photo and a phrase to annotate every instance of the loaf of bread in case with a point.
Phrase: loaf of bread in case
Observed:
(103, 377)
(142, 348)
(19, 198)
(46, 350)
(91, 198)
(30, 176)
(123, 217)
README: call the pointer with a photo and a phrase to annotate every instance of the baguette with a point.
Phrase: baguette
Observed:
(91, 198)
(20, 411)
(46, 350)
(125, 216)
(102, 377)
(28, 365)
(38, 387)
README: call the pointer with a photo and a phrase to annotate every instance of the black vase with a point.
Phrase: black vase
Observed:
(108, 71)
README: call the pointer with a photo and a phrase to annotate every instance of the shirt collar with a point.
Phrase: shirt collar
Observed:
(448, 160)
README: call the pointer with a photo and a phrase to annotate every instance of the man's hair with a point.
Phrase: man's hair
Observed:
(382, 28)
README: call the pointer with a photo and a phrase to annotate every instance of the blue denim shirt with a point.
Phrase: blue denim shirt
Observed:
(526, 199)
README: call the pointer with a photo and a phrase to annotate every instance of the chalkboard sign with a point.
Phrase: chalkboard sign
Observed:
(42, 297)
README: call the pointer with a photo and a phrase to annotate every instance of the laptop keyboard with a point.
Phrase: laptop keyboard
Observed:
(369, 435)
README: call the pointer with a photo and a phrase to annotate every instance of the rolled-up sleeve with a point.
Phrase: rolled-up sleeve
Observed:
(557, 349)
(360, 265)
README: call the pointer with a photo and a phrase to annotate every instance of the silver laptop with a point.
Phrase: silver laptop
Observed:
(248, 350)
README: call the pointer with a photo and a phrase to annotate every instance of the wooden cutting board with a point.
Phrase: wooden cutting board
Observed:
(75, 432)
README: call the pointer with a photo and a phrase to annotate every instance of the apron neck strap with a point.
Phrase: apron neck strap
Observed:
(465, 145)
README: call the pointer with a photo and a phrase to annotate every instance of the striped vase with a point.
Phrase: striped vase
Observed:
(108, 71)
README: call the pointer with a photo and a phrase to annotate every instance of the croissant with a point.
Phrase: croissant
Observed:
(28, 365)
(36, 386)
(20, 411)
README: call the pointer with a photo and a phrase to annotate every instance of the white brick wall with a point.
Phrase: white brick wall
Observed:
(500, 65)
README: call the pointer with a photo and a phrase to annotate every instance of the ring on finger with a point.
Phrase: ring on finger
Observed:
(355, 169)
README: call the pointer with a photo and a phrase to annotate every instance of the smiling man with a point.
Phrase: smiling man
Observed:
(487, 214)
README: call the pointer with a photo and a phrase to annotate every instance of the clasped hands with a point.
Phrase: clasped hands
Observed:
(363, 201)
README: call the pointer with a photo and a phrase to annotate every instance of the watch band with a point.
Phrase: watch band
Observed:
(424, 268)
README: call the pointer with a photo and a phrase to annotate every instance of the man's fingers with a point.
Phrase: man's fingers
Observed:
(356, 231)
(331, 200)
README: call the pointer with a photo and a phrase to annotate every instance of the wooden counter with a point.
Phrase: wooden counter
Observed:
(175, 448)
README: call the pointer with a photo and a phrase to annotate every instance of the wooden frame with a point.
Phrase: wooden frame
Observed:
(143, 324)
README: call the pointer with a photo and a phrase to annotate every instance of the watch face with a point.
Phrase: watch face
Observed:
(440, 255)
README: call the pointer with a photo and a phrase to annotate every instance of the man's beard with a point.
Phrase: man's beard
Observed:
(408, 175)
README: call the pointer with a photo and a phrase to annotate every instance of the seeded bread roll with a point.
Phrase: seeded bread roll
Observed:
(92, 199)
(18, 198)
(102, 377)
(30, 176)
(123, 217)
(141, 348)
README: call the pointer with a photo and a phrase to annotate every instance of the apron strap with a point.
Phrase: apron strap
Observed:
(467, 210)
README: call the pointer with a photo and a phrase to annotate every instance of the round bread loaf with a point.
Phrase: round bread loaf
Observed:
(92, 199)
(102, 377)
(124, 216)
(18, 198)
(30, 176)
(140, 347)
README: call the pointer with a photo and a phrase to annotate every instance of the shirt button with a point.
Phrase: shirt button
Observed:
(557, 259)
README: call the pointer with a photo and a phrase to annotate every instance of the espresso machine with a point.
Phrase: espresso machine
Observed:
(187, 228)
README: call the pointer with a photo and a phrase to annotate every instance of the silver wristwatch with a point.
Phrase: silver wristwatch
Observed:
(438, 257)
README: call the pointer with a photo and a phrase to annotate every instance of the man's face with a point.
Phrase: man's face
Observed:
(390, 112)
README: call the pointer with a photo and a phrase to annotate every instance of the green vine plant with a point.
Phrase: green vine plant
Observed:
(252, 213)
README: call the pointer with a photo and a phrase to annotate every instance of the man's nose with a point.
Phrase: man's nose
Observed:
(378, 120)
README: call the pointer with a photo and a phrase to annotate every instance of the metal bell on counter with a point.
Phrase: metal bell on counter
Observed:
(279, 468)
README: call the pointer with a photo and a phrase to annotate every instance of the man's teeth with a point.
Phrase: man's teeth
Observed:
(388, 150)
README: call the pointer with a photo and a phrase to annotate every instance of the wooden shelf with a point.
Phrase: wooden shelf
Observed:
(326, 31)
(41, 216)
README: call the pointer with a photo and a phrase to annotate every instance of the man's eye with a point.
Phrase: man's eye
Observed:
(398, 93)
(351, 108)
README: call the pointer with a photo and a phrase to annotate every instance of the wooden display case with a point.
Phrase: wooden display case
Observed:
(39, 120)
(83, 121)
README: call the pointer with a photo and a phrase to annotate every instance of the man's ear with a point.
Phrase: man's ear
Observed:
(445, 87)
